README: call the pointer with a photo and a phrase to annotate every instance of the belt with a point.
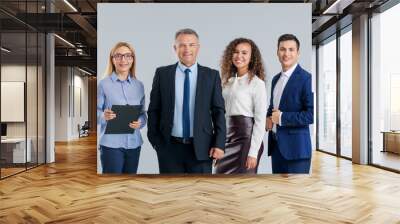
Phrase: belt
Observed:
(186, 141)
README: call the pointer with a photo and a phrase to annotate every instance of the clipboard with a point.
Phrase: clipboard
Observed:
(125, 115)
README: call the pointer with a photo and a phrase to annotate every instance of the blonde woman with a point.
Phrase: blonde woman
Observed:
(120, 153)
(245, 97)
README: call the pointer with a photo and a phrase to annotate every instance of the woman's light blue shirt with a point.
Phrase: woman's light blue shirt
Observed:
(112, 91)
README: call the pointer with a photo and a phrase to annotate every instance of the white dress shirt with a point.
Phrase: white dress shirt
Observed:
(250, 100)
(278, 90)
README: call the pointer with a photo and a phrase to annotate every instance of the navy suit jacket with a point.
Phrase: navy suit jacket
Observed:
(209, 129)
(297, 107)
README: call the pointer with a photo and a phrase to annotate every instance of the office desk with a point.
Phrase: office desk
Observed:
(391, 141)
(13, 150)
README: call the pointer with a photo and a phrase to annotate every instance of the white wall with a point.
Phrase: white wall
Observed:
(70, 83)
(15, 72)
(61, 103)
(80, 102)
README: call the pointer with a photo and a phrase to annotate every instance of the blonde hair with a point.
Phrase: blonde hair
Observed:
(110, 66)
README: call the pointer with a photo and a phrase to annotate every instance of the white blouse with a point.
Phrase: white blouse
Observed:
(250, 100)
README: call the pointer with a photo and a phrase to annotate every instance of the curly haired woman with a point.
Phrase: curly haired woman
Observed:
(245, 97)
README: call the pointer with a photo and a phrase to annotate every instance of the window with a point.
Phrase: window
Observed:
(385, 89)
(346, 93)
(327, 96)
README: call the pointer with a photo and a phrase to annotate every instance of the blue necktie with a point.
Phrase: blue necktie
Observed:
(186, 110)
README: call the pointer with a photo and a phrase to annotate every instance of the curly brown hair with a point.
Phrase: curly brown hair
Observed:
(256, 66)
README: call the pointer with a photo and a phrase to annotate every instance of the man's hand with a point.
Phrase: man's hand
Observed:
(268, 124)
(251, 162)
(135, 124)
(275, 116)
(109, 114)
(216, 153)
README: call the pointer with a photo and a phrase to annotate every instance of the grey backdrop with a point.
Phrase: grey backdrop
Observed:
(150, 28)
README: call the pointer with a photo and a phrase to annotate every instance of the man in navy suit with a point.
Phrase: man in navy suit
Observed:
(186, 115)
(290, 112)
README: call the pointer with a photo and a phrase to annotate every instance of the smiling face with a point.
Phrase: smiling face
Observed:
(288, 54)
(187, 47)
(122, 59)
(241, 57)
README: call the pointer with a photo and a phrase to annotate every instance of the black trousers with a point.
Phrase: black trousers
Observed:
(178, 158)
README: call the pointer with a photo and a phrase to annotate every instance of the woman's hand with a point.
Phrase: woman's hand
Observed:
(251, 162)
(269, 124)
(109, 114)
(135, 124)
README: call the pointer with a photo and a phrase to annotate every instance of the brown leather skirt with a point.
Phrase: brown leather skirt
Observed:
(238, 140)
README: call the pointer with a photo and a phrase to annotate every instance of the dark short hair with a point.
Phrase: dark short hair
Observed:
(286, 37)
(186, 31)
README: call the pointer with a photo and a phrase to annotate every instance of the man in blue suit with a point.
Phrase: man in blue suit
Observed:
(290, 112)
(186, 115)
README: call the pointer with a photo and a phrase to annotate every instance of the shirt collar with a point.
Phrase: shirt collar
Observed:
(290, 71)
(114, 77)
(183, 67)
(242, 77)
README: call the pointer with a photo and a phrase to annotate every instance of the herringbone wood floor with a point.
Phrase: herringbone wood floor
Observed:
(70, 191)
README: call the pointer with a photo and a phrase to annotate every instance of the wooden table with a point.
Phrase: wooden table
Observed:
(391, 141)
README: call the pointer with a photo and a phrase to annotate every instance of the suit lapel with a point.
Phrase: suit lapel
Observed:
(274, 82)
(199, 90)
(289, 85)
(171, 84)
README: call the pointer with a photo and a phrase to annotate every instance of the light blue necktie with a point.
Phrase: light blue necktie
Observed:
(186, 103)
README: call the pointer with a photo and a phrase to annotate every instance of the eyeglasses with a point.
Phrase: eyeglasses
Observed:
(119, 57)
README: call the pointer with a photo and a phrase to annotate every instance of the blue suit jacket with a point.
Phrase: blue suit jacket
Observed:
(297, 107)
